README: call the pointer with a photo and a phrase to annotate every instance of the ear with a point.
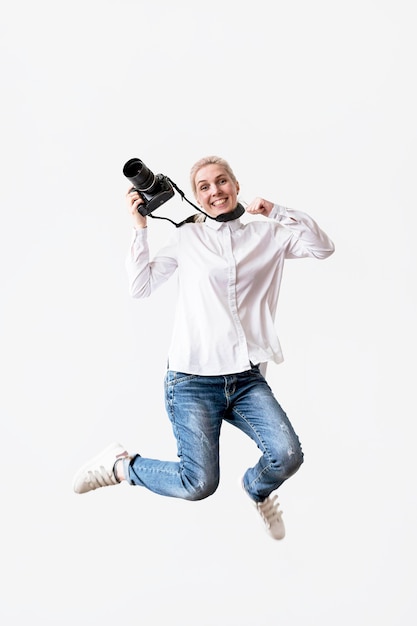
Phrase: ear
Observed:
(237, 187)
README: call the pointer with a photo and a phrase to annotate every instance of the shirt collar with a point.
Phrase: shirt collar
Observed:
(232, 224)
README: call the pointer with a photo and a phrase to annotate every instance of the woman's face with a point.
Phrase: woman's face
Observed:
(216, 191)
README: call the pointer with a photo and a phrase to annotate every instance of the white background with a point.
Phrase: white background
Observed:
(313, 104)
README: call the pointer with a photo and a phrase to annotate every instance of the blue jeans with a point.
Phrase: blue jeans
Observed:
(197, 406)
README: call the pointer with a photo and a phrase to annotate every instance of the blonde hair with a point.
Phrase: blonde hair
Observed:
(209, 160)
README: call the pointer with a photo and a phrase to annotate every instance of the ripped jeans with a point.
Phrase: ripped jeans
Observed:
(197, 406)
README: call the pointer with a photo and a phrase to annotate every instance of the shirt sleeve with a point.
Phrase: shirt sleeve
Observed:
(146, 275)
(307, 238)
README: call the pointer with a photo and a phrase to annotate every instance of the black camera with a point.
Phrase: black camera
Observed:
(154, 189)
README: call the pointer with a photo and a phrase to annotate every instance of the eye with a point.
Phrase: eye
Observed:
(203, 187)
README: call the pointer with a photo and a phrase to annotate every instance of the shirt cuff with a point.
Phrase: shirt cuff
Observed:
(139, 234)
(278, 211)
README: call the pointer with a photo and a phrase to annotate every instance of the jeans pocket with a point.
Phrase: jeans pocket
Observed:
(174, 378)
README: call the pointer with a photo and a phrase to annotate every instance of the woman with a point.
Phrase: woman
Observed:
(229, 275)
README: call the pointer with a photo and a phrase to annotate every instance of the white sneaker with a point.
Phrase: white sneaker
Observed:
(98, 472)
(272, 516)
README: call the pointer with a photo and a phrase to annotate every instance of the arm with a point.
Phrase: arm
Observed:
(144, 275)
(307, 240)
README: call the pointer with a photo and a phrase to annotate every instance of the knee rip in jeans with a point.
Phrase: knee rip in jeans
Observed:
(200, 491)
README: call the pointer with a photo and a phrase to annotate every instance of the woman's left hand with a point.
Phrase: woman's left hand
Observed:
(259, 206)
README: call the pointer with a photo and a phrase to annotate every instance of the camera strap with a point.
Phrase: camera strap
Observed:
(224, 217)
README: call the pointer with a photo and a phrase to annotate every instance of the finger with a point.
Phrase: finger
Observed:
(133, 195)
(254, 206)
(137, 204)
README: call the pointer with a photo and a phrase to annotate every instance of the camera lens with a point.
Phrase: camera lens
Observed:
(139, 175)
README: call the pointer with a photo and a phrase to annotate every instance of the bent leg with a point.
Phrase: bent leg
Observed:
(257, 413)
(196, 411)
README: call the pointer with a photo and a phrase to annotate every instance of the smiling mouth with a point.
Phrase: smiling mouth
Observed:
(219, 203)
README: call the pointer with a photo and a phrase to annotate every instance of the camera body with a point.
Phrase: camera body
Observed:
(154, 189)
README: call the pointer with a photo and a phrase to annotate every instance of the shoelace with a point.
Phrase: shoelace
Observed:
(269, 510)
(101, 478)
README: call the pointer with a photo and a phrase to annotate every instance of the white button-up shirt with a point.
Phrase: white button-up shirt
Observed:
(229, 276)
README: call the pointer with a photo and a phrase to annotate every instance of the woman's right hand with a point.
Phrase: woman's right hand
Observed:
(134, 199)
